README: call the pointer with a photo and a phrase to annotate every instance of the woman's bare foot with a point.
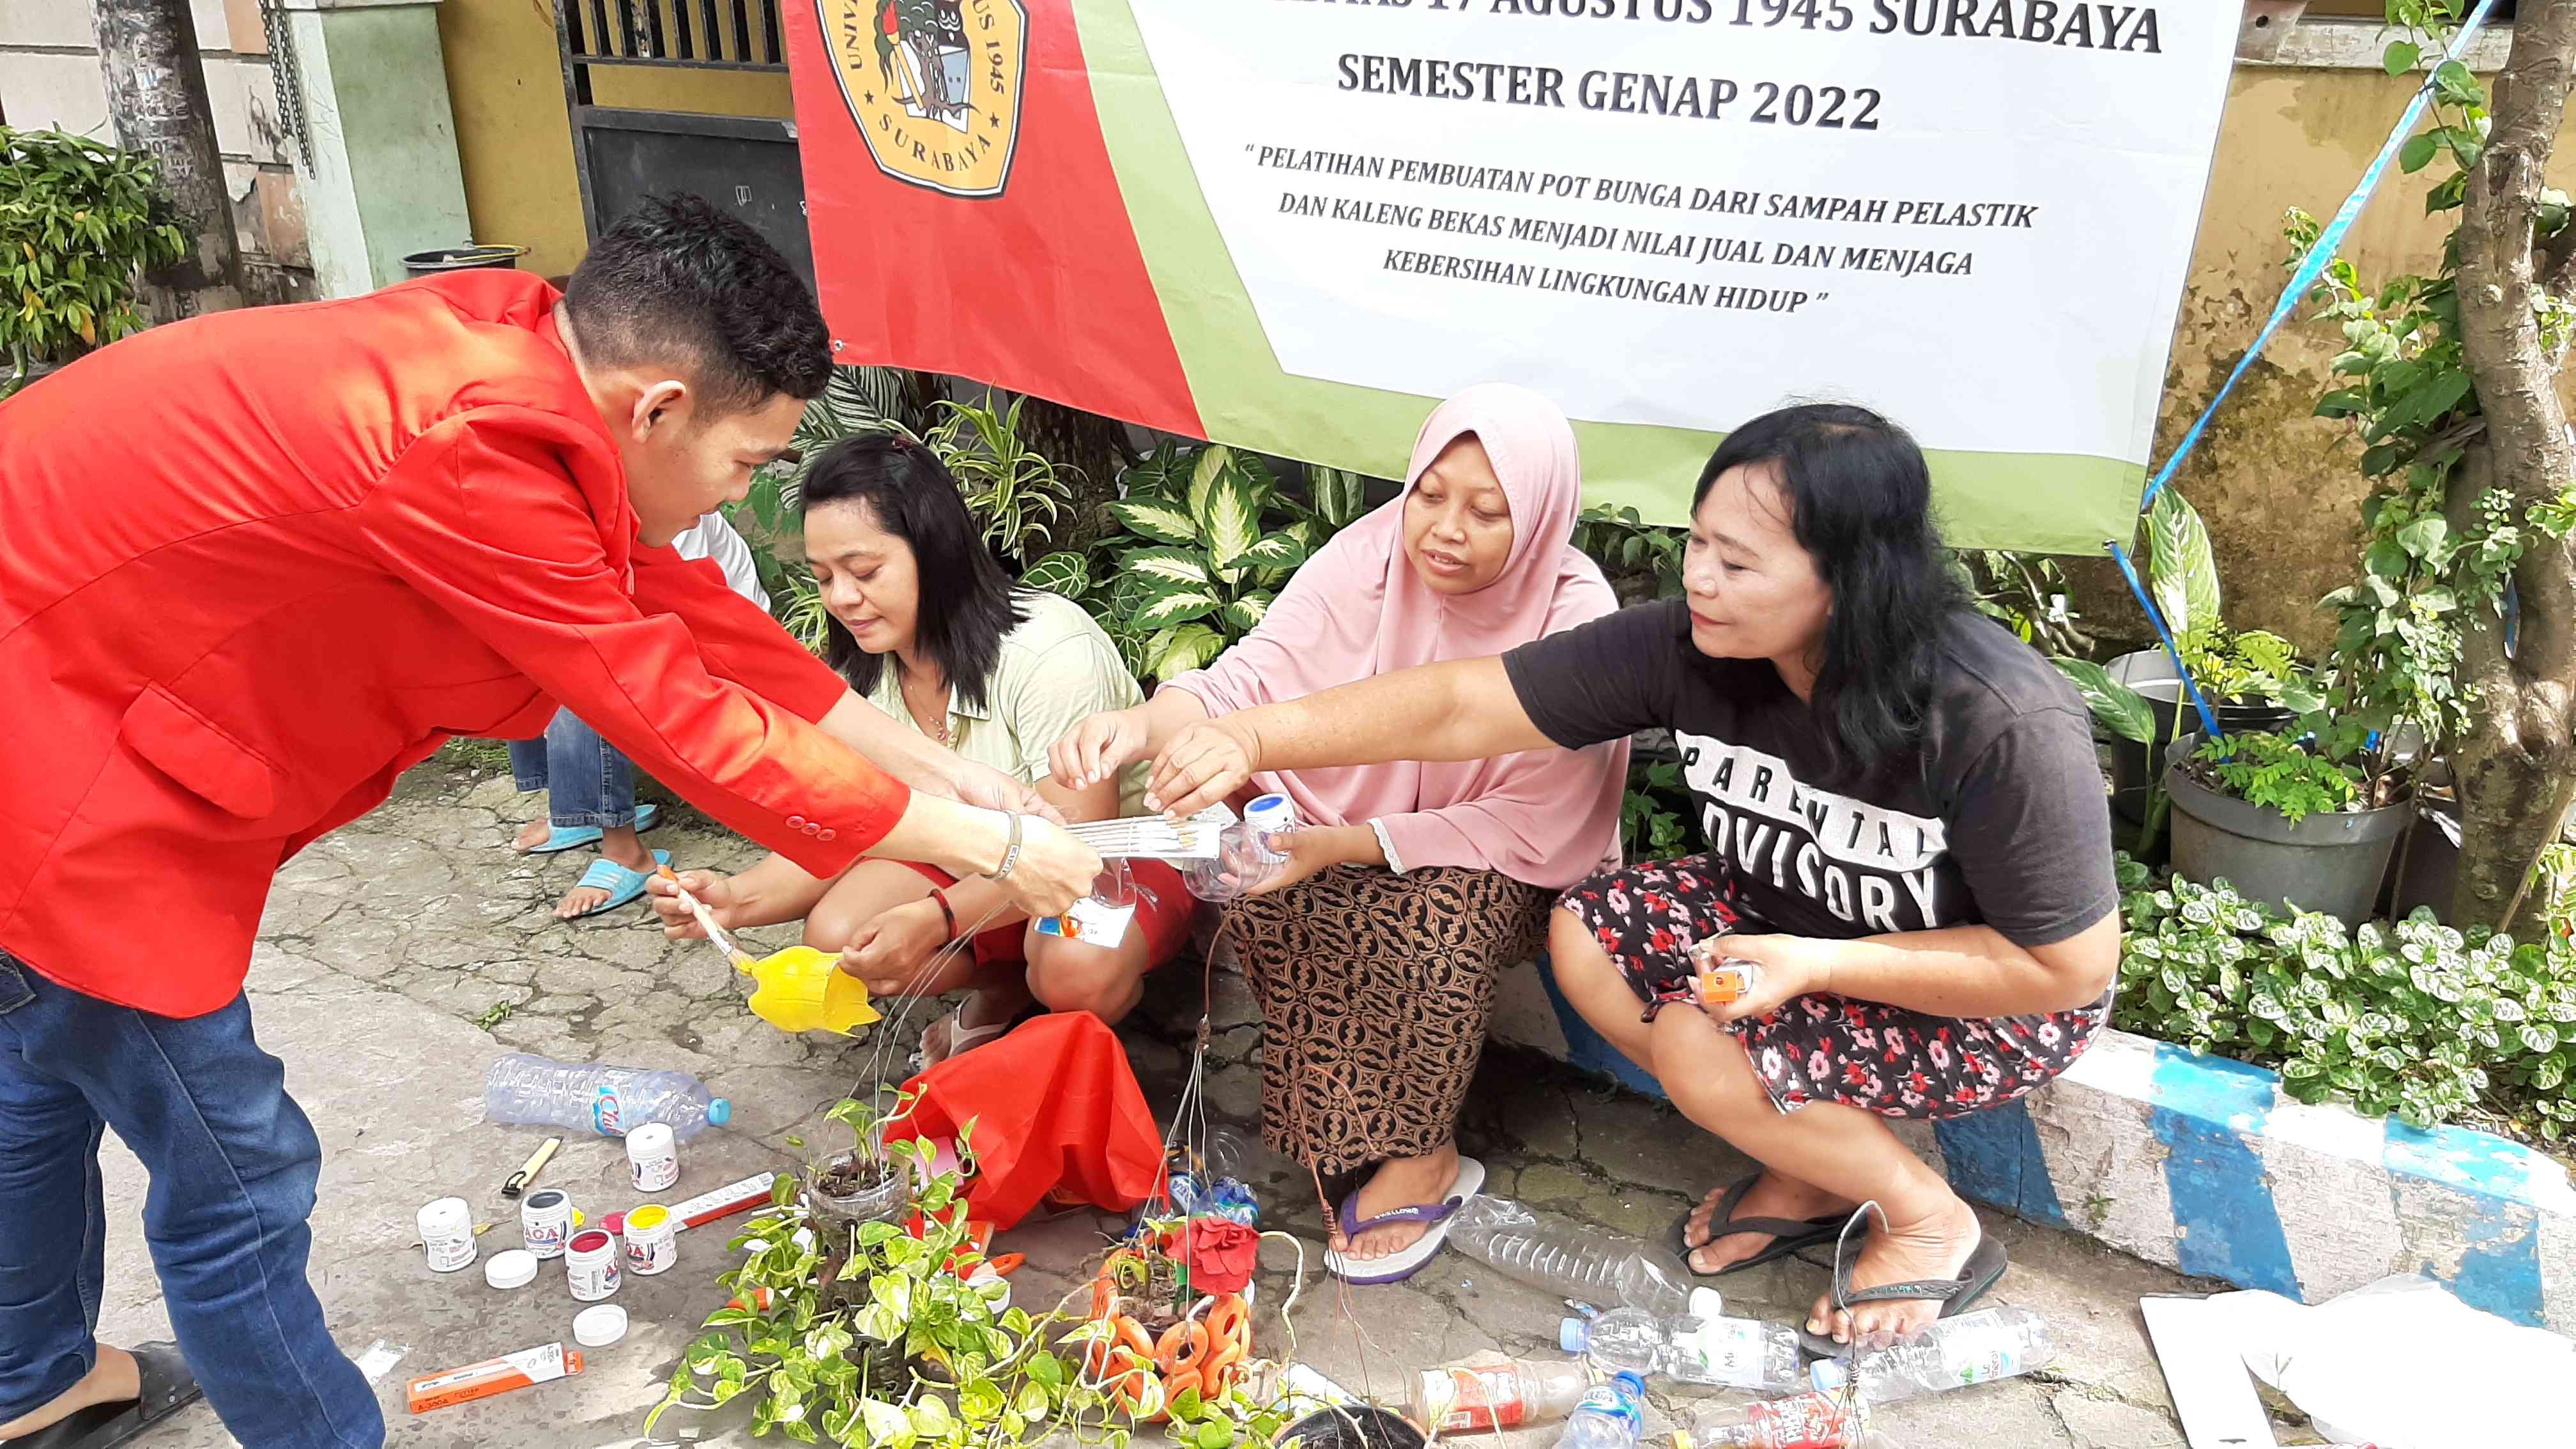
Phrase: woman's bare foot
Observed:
(532, 835)
(1935, 1247)
(983, 1007)
(1774, 1196)
(112, 1379)
(1398, 1183)
(623, 846)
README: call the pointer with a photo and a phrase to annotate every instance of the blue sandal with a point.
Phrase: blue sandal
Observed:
(624, 886)
(573, 837)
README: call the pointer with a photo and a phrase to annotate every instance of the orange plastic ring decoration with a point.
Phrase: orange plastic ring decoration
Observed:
(1132, 1336)
(1184, 1343)
(1174, 1385)
(1222, 1356)
(1230, 1320)
(1008, 1263)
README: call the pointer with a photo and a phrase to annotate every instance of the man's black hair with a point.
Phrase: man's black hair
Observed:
(676, 280)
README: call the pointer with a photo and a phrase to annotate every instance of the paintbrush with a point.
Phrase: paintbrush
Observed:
(738, 957)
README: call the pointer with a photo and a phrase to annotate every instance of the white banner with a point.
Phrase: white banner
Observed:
(1974, 215)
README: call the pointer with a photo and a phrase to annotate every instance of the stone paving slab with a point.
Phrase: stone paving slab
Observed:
(401, 955)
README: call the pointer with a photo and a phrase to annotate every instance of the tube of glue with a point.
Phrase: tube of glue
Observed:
(529, 1366)
(724, 1202)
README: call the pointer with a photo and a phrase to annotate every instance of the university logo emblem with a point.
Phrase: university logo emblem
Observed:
(934, 86)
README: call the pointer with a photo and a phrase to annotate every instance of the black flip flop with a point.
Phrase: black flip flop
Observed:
(1985, 1267)
(1787, 1235)
(168, 1387)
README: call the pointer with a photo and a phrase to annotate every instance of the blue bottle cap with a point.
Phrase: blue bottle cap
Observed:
(719, 1112)
(1573, 1335)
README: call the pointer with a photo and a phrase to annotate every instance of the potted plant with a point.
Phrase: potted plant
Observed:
(80, 221)
(2284, 820)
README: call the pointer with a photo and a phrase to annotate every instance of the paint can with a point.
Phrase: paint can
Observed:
(447, 1234)
(655, 1156)
(590, 1265)
(545, 1222)
(652, 1240)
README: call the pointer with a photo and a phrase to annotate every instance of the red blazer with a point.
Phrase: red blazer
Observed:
(256, 565)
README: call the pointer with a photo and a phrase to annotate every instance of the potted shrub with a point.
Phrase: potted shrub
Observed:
(80, 221)
(2283, 820)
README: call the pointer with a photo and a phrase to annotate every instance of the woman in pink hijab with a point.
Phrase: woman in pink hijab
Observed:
(1410, 885)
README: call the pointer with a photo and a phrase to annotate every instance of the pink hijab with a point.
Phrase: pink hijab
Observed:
(1547, 817)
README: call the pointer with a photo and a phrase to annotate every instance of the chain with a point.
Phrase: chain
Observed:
(290, 87)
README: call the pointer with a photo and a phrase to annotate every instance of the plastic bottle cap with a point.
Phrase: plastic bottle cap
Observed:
(1635, 1384)
(613, 1223)
(651, 1140)
(599, 1327)
(1573, 1335)
(719, 1112)
(1707, 1304)
(515, 1268)
(1828, 1375)
(446, 1215)
(1270, 812)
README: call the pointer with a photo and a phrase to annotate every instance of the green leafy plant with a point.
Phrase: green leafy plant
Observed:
(1654, 818)
(1642, 560)
(80, 221)
(2267, 770)
(1206, 538)
(1015, 492)
(2413, 1018)
(2026, 593)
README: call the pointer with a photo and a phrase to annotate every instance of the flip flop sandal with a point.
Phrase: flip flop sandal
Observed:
(1788, 1235)
(623, 886)
(1985, 1267)
(963, 1038)
(573, 837)
(1396, 1267)
(168, 1387)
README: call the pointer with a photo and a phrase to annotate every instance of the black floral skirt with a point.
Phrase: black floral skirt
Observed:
(1818, 1048)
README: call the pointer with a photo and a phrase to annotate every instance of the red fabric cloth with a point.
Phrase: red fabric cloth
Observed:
(345, 532)
(1054, 1104)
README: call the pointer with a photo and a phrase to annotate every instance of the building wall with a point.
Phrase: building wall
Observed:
(49, 79)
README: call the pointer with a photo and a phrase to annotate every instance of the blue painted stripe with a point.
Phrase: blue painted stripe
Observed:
(2500, 1269)
(1589, 1049)
(1995, 1157)
(2209, 1114)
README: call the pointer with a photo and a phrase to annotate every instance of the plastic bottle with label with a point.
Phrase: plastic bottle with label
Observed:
(1954, 1353)
(594, 1097)
(1703, 1346)
(1492, 1392)
(1246, 858)
(1610, 1416)
(1809, 1421)
(1566, 1261)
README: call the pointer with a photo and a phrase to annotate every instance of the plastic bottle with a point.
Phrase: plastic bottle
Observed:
(1809, 1421)
(1703, 1346)
(592, 1097)
(1610, 1416)
(1245, 857)
(1973, 1348)
(1584, 1264)
(1492, 1392)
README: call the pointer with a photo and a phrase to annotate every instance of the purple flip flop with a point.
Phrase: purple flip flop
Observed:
(1396, 1267)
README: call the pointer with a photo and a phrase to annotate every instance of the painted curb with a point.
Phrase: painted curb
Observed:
(2204, 1165)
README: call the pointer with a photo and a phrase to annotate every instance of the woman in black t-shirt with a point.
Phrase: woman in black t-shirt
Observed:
(1906, 833)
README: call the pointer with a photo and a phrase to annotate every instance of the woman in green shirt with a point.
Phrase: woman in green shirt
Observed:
(926, 625)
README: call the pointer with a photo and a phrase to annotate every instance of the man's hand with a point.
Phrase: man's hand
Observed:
(890, 951)
(1097, 748)
(1202, 766)
(713, 891)
(1053, 870)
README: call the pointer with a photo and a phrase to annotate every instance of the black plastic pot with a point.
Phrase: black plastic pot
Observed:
(2332, 863)
(1364, 1427)
(462, 259)
(2134, 765)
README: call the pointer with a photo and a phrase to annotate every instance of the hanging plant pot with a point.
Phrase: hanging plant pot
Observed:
(2133, 765)
(2331, 862)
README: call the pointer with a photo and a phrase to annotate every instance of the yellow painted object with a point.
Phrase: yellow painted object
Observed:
(802, 989)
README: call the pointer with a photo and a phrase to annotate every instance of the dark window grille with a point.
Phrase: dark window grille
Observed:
(690, 34)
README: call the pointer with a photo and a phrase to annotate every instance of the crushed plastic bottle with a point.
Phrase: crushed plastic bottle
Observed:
(1583, 1264)
(1703, 1346)
(1610, 1416)
(1809, 1421)
(1246, 858)
(1954, 1353)
(594, 1097)
(1490, 1392)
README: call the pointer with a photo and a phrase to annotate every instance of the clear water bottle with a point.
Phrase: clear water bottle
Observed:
(1703, 1346)
(1490, 1392)
(1584, 1264)
(1610, 1416)
(1245, 860)
(1809, 1421)
(1973, 1348)
(592, 1097)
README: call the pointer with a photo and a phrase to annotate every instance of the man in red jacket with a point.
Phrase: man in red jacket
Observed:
(260, 564)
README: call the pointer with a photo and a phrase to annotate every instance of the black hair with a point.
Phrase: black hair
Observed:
(1860, 502)
(967, 602)
(677, 280)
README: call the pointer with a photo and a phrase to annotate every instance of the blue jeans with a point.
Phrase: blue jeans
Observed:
(588, 784)
(233, 1163)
